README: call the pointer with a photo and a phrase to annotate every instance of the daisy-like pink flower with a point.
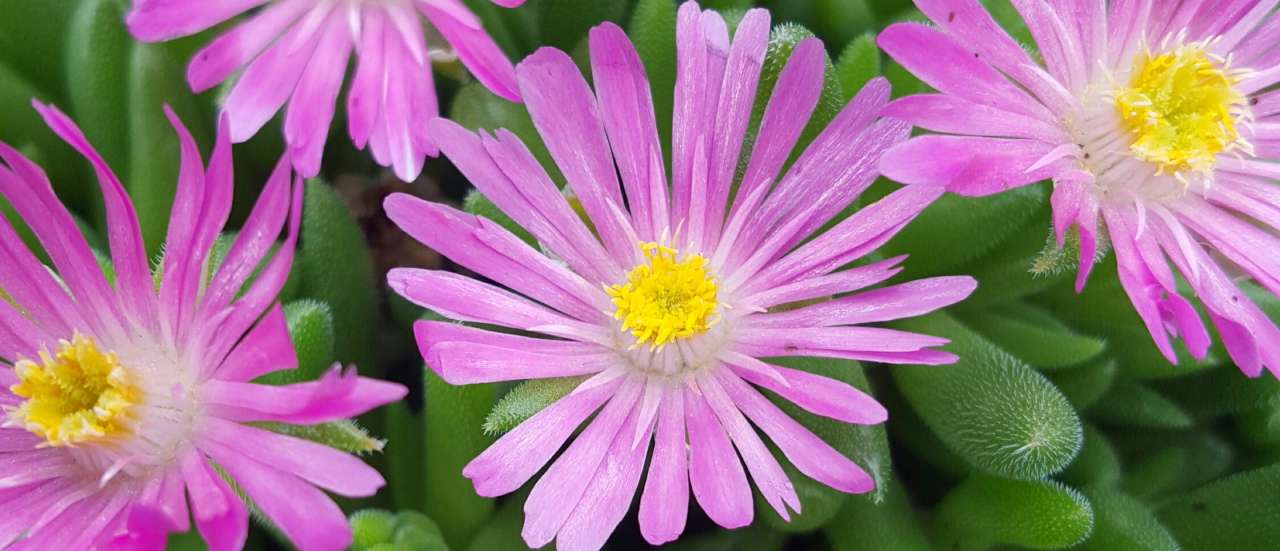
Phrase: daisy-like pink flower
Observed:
(128, 400)
(669, 299)
(1157, 123)
(296, 51)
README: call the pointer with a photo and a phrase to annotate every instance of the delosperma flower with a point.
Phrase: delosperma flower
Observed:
(1158, 124)
(667, 299)
(296, 51)
(128, 401)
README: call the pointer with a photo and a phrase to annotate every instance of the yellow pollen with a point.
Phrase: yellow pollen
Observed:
(1179, 109)
(80, 394)
(665, 298)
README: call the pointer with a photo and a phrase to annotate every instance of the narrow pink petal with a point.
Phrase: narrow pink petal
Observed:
(566, 115)
(477, 51)
(26, 188)
(468, 363)
(844, 281)
(432, 333)
(128, 257)
(144, 529)
(30, 285)
(1057, 44)
(969, 165)
(337, 395)
(78, 526)
(463, 298)
(231, 51)
(608, 497)
(770, 480)
(321, 465)
(506, 172)
(1137, 280)
(664, 505)
(833, 342)
(626, 106)
(715, 473)
(488, 249)
(179, 286)
(310, 111)
(256, 238)
(160, 20)
(813, 457)
(265, 349)
(952, 115)
(364, 100)
(702, 45)
(271, 78)
(307, 517)
(733, 113)
(406, 97)
(519, 454)
(220, 516)
(948, 67)
(561, 488)
(900, 301)
(820, 395)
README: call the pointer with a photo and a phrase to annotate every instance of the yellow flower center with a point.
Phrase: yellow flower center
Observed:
(1179, 108)
(665, 298)
(80, 394)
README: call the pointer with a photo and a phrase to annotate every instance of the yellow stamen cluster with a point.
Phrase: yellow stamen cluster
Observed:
(1180, 108)
(665, 298)
(79, 394)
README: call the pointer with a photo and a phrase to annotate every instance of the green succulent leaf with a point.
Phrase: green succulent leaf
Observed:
(864, 525)
(653, 30)
(380, 530)
(1124, 523)
(1033, 336)
(525, 401)
(454, 436)
(1137, 405)
(984, 511)
(334, 266)
(1084, 385)
(1238, 512)
(1098, 463)
(993, 410)
(857, 65)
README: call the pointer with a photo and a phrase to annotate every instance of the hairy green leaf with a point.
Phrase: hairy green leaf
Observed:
(525, 401)
(1239, 512)
(1033, 337)
(454, 417)
(1124, 523)
(984, 511)
(1137, 405)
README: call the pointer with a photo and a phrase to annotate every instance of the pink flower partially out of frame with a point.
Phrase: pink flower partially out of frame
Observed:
(1157, 121)
(666, 303)
(121, 395)
(296, 51)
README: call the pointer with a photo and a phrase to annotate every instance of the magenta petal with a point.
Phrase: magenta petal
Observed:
(220, 517)
(231, 51)
(607, 498)
(664, 506)
(477, 50)
(519, 454)
(311, 520)
(158, 20)
(266, 348)
(715, 473)
(820, 395)
(337, 395)
(326, 467)
(310, 112)
(969, 165)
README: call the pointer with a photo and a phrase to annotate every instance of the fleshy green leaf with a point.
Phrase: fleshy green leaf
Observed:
(379, 530)
(454, 420)
(565, 22)
(1137, 405)
(863, 525)
(526, 400)
(157, 78)
(1124, 523)
(1238, 512)
(503, 529)
(1097, 464)
(653, 30)
(1222, 390)
(1085, 384)
(984, 511)
(1033, 336)
(22, 128)
(857, 65)
(334, 266)
(996, 412)
(99, 47)
(955, 230)
(33, 33)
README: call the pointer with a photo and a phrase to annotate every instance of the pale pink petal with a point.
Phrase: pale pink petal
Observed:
(477, 51)
(231, 51)
(608, 496)
(337, 395)
(220, 516)
(770, 480)
(715, 473)
(561, 488)
(265, 349)
(159, 20)
(900, 301)
(952, 115)
(463, 298)
(519, 454)
(820, 395)
(307, 517)
(664, 505)
(813, 457)
(469, 363)
(310, 111)
(318, 464)
(827, 285)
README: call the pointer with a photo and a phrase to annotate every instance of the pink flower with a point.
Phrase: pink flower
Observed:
(296, 51)
(1155, 123)
(665, 303)
(122, 395)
